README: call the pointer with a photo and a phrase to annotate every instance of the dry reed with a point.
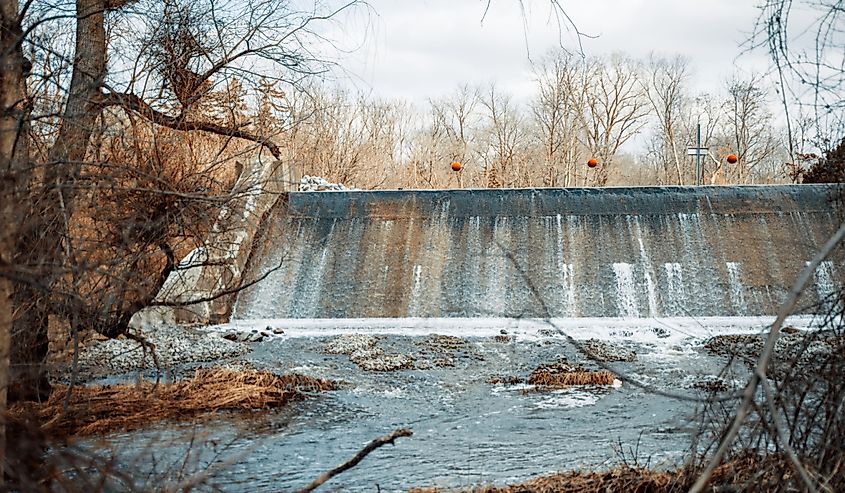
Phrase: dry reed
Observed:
(101, 409)
(623, 479)
(746, 473)
(562, 374)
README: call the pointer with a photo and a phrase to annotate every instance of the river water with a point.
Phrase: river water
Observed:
(466, 430)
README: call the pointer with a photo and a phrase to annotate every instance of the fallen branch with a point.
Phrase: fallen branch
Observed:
(131, 102)
(378, 442)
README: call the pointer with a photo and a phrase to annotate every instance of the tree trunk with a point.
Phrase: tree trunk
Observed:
(14, 175)
(41, 239)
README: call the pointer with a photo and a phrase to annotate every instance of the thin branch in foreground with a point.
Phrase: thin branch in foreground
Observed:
(378, 442)
(759, 373)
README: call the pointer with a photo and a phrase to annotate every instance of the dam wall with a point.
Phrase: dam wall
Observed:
(607, 252)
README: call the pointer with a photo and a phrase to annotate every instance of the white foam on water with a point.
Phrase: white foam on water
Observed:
(626, 295)
(567, 399)
(518, 387)
(669, 334)
(396, 393)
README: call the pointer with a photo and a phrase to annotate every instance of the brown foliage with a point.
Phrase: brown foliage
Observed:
(750, 473)
(148, 197)
(562, 374)
(102, 409)
(830, 169)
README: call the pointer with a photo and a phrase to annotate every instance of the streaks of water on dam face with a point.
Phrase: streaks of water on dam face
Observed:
(625, 291)
(634, 225)
(826, 286)
(490, 254)
(675, 289)
(737, 290)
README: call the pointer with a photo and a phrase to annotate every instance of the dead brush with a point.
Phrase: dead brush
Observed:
(749, 473)
(101, 409)
(563, 374)
(618, 479)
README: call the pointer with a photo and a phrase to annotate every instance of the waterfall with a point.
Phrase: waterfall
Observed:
(611, 252)
(626, 297)
(416, 290)
(826, 288)
(496, 270)
(646, 262)
(675, 288)
(737, 290)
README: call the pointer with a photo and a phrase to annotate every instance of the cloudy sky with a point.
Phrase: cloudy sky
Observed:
(420, 49)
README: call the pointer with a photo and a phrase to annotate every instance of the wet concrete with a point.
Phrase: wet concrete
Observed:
(630, 252)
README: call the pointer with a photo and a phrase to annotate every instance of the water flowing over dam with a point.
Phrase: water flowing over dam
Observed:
(610, 252)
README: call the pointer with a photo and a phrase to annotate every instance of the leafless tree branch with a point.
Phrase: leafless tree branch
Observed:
(378, 442)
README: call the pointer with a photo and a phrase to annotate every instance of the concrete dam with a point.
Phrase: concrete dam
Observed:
(610, 252)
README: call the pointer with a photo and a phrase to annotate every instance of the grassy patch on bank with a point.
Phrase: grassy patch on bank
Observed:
(745, 473)
(103, 409)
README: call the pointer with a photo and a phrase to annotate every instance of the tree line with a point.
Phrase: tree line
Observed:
(580, 108)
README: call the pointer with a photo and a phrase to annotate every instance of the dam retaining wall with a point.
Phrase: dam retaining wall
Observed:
(590, 252)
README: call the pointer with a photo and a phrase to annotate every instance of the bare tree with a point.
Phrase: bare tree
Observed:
(664, 88)
(166, 61)
(615, 109)
(448, 132)
(14, 172)
(748, 127)
(455, 119)
(344, 138)
(808, 60)
(505, 141)
(556, 115)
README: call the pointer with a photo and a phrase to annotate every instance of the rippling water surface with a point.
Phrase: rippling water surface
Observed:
(466, 430)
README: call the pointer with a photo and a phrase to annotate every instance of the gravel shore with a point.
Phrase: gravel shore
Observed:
(174, 346)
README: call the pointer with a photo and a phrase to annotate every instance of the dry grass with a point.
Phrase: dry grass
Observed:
(562, 374)
(102, 409)
(621, 480)
(547, 379)
(746, 473)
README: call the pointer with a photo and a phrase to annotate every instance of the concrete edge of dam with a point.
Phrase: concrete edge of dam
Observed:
(565, 201)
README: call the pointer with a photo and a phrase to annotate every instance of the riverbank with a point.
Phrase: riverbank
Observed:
(489, 401)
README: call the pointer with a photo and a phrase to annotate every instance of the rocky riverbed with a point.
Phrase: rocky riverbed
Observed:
(796, 352)
(185, 347)
(175, 347)
(489, 401)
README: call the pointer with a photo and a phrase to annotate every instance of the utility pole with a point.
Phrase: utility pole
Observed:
(698, 151)
(698, 156)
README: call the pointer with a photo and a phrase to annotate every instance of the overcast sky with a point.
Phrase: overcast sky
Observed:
(420, 49)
